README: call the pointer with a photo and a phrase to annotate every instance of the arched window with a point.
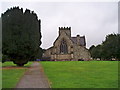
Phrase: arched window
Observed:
(63, 47)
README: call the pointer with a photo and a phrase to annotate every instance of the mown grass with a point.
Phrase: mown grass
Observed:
(82, 74)
(10, 77)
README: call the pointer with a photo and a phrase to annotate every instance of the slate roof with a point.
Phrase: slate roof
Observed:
(74, 39)
(82, 40)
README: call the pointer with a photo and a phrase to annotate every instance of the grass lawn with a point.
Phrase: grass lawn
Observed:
(82, 74)
(10, 77)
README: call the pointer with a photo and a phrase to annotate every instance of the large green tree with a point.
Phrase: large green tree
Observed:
(108, 49)
(96, 51)
(21, 35)
(111, 46)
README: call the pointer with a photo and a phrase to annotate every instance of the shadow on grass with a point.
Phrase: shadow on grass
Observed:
(11, 65)
(15, 67)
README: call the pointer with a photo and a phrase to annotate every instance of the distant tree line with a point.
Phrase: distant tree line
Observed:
(21, 36)
(108, 50)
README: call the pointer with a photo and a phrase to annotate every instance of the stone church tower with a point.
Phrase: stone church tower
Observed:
(66, 47)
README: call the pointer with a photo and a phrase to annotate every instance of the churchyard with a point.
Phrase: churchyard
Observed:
(68, 74)
(22, 39)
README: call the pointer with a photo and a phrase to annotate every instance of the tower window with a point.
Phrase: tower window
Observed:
(63, 47)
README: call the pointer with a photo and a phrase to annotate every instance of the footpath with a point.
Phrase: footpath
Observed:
(34, 77)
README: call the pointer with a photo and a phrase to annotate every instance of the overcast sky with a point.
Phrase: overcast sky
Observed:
(95, 20)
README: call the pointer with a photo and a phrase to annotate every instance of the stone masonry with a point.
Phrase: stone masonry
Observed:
(66, 47)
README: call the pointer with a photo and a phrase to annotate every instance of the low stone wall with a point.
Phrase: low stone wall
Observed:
(60, 57)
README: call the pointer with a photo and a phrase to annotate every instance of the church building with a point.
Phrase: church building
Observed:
(68, 48)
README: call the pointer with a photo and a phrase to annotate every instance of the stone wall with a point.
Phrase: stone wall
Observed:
(75, 53)
(81, 53)
(61, 56)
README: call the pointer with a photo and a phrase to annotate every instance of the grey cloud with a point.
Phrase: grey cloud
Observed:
(94, 20)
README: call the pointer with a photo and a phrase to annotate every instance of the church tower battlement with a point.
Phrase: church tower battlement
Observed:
(67, 30)
(64, 28)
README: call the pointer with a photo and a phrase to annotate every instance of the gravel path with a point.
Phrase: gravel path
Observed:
(34, 78)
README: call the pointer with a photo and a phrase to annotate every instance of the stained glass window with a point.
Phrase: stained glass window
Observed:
(63, 47)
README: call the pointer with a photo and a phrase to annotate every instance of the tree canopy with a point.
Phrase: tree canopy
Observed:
(21, 35)
(109, 49)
